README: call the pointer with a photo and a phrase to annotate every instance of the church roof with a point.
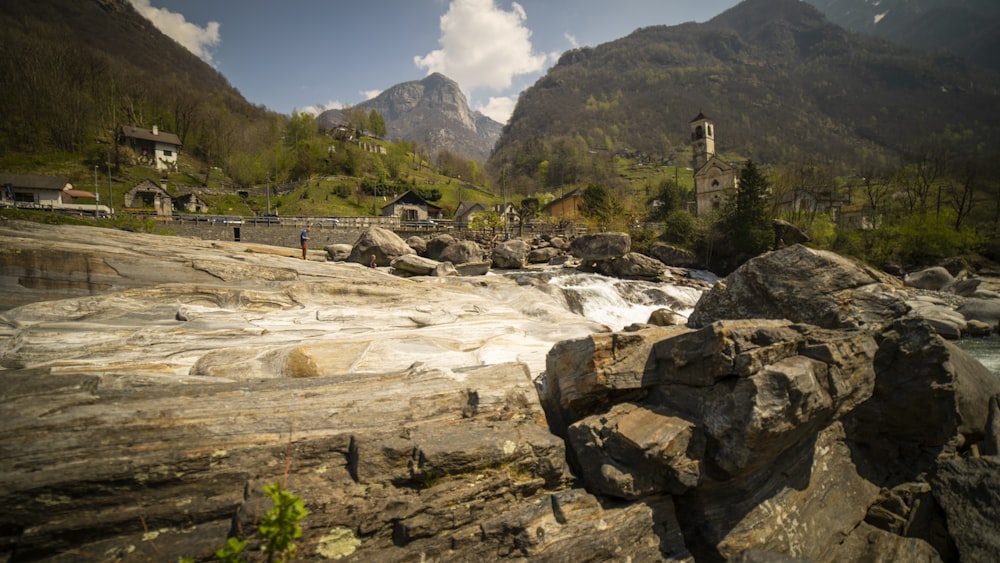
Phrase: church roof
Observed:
(713, 161)
(700, 117)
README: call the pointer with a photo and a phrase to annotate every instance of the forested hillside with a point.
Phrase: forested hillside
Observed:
(782, 84)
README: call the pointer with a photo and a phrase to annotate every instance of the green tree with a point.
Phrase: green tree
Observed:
(747, 223)
(666, 200)
(598, 204)
(376, 124)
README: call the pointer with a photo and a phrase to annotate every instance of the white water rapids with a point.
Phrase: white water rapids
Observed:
(618, 303)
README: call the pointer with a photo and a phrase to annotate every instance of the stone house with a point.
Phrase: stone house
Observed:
(152, 147)
(468, 211)
(411, 207)
(149, 196)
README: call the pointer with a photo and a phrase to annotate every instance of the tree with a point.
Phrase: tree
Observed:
(746, 218)
(666, 200)
(598, 204)
(376, 124)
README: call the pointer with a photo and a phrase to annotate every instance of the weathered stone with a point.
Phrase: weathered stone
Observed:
(969, 492)
(417, 243)
(338, 252)
(803, 505)
(600, 246)
(672, 255)
(414, 265)
(633, 266)
(786, 234)
(437, 244)
(983, 310)
(384, 244)
(935, 278)
(633, 451)
(804, 285)
(461, 252)
(511, 254)
(543, 255)
(473, 268)
(868, 543)
(946, 321)
(666, 317)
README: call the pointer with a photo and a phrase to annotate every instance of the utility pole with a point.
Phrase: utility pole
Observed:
(97, 196)
(111, 197)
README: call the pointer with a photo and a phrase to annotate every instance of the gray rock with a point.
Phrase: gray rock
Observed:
(417, 243)
(600, 246)
(543, 255)
(804, 285)
(633, 266)
(384, 244)
(983, 310)
(672, 255)
(461, 252)
(414, 265)
(666, 317)
(338, 252)
(437, 244)
(786, 234)
(511, 254)
(936, 279)
(473, 268)
(969, 492)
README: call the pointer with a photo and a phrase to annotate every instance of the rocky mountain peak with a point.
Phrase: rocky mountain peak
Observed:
(434, 113)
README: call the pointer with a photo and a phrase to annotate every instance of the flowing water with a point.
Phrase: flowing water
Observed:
(618, 303)
(986, 350)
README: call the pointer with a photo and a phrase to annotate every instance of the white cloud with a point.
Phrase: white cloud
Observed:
(498, 108)
(318, 109)
(483, 46)
(369, 94)
(198, 40)
(572, 39)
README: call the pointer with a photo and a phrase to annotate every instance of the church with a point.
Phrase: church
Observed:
(714, 180)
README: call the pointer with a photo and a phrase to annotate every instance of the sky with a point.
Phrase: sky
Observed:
(310, 55)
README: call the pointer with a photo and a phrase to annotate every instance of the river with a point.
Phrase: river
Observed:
(618, 303)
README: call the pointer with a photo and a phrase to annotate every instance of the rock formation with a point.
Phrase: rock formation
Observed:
(153, 386)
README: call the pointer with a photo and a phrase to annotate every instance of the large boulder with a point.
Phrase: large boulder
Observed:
(543, 255)
(511, 254)
(601, 246)
(983, 310)
(338, 252)
(632, 266)
(968, 491)
(936, 279)
(672, 255)
(384, 244)
(418, 244)
(437, 244)
(804, 285)
(411, 264)
(461, 252)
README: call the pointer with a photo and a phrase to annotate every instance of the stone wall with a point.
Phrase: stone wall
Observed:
(274, 235)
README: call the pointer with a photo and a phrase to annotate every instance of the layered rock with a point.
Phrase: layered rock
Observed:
(827, 421)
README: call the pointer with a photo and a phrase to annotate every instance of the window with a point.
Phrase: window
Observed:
(168, 153)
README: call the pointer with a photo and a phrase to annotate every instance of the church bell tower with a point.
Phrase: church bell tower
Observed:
(702, 140)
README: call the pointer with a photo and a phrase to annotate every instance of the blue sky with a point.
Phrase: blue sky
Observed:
(309, 55)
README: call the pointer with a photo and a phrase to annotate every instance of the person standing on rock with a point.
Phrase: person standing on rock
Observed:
(304, 240)
(372, 263)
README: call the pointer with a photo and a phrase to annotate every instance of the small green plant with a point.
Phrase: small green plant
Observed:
(230, 553)
(281, 524)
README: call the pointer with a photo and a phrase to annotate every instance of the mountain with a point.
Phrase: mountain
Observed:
(970, 28)
(75, 70)
(780, 81)
(433, 113)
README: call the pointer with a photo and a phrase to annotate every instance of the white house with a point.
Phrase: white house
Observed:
(45, 192)
(152, 147)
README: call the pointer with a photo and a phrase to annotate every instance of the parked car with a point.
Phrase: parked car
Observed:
(327, 222)
(228, 220)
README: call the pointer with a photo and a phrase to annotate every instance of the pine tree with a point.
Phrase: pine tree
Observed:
(747, 219)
